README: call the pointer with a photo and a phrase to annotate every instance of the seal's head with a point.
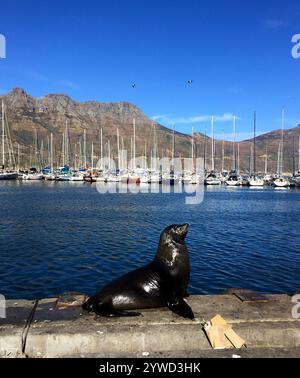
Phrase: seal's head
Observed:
(175, 232)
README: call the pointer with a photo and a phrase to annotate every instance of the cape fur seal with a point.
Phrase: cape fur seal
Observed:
(161, 283)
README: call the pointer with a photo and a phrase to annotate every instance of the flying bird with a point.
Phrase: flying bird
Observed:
(133, 85)
(190, 82)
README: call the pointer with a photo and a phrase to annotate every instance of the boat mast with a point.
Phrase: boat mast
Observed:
(51, 153)
(84, 147)
(193, 167)
(233, 146)
(173, 148)
(238, 159)
(155, 149)
(36, 149)
(3, 136)
(48, 151)
(75, 157)
(254, 146)
(131, 154)
(42, 153)
(212, 144)
(122, 149)
(222, 168)
(299, 155)
(67, 144)
(251, 161)
(80, 159)
(192, 143)
(266, 160)
(294, 158)
(281, 152)
(278, 159)
(118, 146)
(108, 154)
(18, 157)
(101, 147)
(63, 149)
(134, 166)
(204, 152)
(92, 157)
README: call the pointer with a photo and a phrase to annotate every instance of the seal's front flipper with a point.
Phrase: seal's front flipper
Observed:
(180, 307)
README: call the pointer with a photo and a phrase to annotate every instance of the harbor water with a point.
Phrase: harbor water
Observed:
(59, 237)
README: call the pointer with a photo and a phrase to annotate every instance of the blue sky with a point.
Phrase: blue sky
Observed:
(237, 52)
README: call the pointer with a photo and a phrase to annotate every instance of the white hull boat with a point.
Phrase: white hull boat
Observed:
(50, 177)
(255, 181)
(232, 182)
(33, 176)
(281, 183)
(212, 181)
(76, 178)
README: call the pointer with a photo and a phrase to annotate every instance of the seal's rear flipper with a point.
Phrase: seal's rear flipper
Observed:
(180, 307)
(105, 308)
(89, 305)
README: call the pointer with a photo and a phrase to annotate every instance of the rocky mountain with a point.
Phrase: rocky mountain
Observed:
(31, 120)
(29, 117)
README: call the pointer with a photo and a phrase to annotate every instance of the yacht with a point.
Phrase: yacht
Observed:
(50, 176)
(33, 176)
(233, 179)
(212, 179)
(281, 182)
(295, 181)
(224, 176)
(76, 177)
(254, 179)
(8, 175)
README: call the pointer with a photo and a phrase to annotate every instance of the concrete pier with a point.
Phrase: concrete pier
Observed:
(58, 327)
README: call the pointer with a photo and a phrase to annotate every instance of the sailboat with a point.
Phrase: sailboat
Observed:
(254, 179)
(224, 172)
(50, 175)
(212, 178)
(281, 182)
(132, 177)
(4, 175)
(34, 173)
(233, 179)
(188, 176)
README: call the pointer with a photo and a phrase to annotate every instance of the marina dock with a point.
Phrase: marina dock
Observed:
(57, 327)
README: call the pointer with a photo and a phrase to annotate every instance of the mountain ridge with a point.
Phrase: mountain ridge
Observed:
(29, 116)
